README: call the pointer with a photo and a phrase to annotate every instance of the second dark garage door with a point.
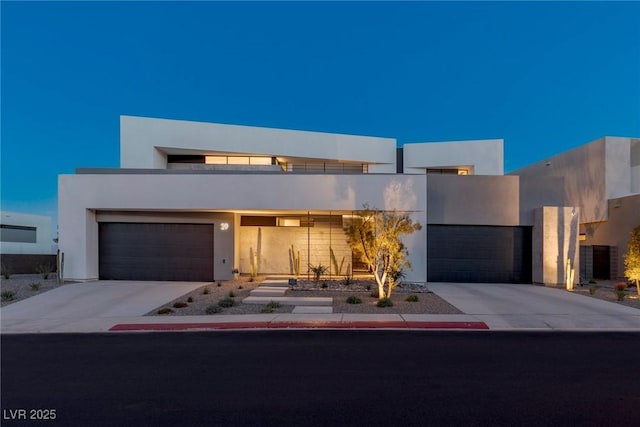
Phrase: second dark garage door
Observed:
(485, 254)
(149, 251)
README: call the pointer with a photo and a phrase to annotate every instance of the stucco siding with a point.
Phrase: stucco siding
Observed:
(473, 200)
(485, 157)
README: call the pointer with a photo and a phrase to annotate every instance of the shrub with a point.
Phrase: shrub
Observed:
(592, 282)
(384, 302)
(205, 291)
(368, 287)
(213, 309)
(35, 286)
(227, 302)
(240, 287)
(354, 300)
(44, 269)
(375, 294)
(165, 310)
(619, 290)
(412, 298)
(324, 285)
(231, 294)
(318, 270)
(180, 304)
(348, 280)
(270, 307)
(7, 295)
(190, 299)
(219, 284)
(593, 289)
(6, 271)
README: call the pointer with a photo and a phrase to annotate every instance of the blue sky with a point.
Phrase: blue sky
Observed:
(545, 76)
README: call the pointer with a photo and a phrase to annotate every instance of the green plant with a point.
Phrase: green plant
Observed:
(354, 300)
(219, 284)
(368, 287)
(632, 258)
(7, 295)
(375, 294)
(324, 285)
(348, 280)
(240, 287)
(593, 289)
(318, 270)
(227, 302)
(270, 307)
(6, 271)
(412, 298)
(376, 237)
(384, 302)
(337, 268)
(205, 291)
(231, 294)
(619, 290)
(190, 299)
(35, 286)
(253, 266)
(44, 270)
(295, 260)
(165, 310)
(180, 304)
(213, 309)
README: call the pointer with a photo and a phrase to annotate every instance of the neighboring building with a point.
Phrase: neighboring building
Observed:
(603, 179)
(25, 241)
(194, 201)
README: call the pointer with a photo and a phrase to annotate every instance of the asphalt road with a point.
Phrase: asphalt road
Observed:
(321, 378)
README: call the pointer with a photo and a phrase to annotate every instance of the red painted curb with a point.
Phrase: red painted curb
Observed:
(299, 325)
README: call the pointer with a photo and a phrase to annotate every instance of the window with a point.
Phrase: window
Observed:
(17, 234)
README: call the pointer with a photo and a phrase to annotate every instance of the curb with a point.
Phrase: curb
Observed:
(124, 327)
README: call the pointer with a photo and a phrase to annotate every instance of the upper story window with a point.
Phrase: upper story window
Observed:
(449, 171)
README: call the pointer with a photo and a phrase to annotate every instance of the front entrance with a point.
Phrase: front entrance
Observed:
(601, 262)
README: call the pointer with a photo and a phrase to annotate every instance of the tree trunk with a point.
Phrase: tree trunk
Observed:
(638, 286)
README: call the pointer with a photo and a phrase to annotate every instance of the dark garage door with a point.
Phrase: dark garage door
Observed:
(482, 254)
(135, 251)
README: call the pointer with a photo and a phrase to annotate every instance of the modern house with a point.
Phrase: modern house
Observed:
(25, 241)
(195, 201)
(603, 179)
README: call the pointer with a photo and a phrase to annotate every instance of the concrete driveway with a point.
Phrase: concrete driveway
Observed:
(506, 306)
(84, 306)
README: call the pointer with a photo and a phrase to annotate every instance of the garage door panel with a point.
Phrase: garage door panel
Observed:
(139, 251)
(462, 253)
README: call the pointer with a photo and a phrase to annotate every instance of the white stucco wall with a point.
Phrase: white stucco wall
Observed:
(617, 166)
(484, 156)
(82, 195)
(144, 143)
(44, 244)
(555, 240)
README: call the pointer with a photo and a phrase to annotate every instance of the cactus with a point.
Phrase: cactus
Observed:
(295, 261)
(334, 260)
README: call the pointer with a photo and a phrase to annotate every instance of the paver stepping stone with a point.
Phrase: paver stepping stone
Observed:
(312, 309)
(290, 300)
(258, 292)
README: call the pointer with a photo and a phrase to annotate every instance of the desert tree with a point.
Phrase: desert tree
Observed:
(376, 237)
(632, 259)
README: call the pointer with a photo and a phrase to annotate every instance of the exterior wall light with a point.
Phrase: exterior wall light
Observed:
(224, 226)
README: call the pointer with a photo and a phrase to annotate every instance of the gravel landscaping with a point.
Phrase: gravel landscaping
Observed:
(26, 285)
(428, 303)
(605, 291)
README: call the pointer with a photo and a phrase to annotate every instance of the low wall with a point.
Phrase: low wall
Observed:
(26, 263)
